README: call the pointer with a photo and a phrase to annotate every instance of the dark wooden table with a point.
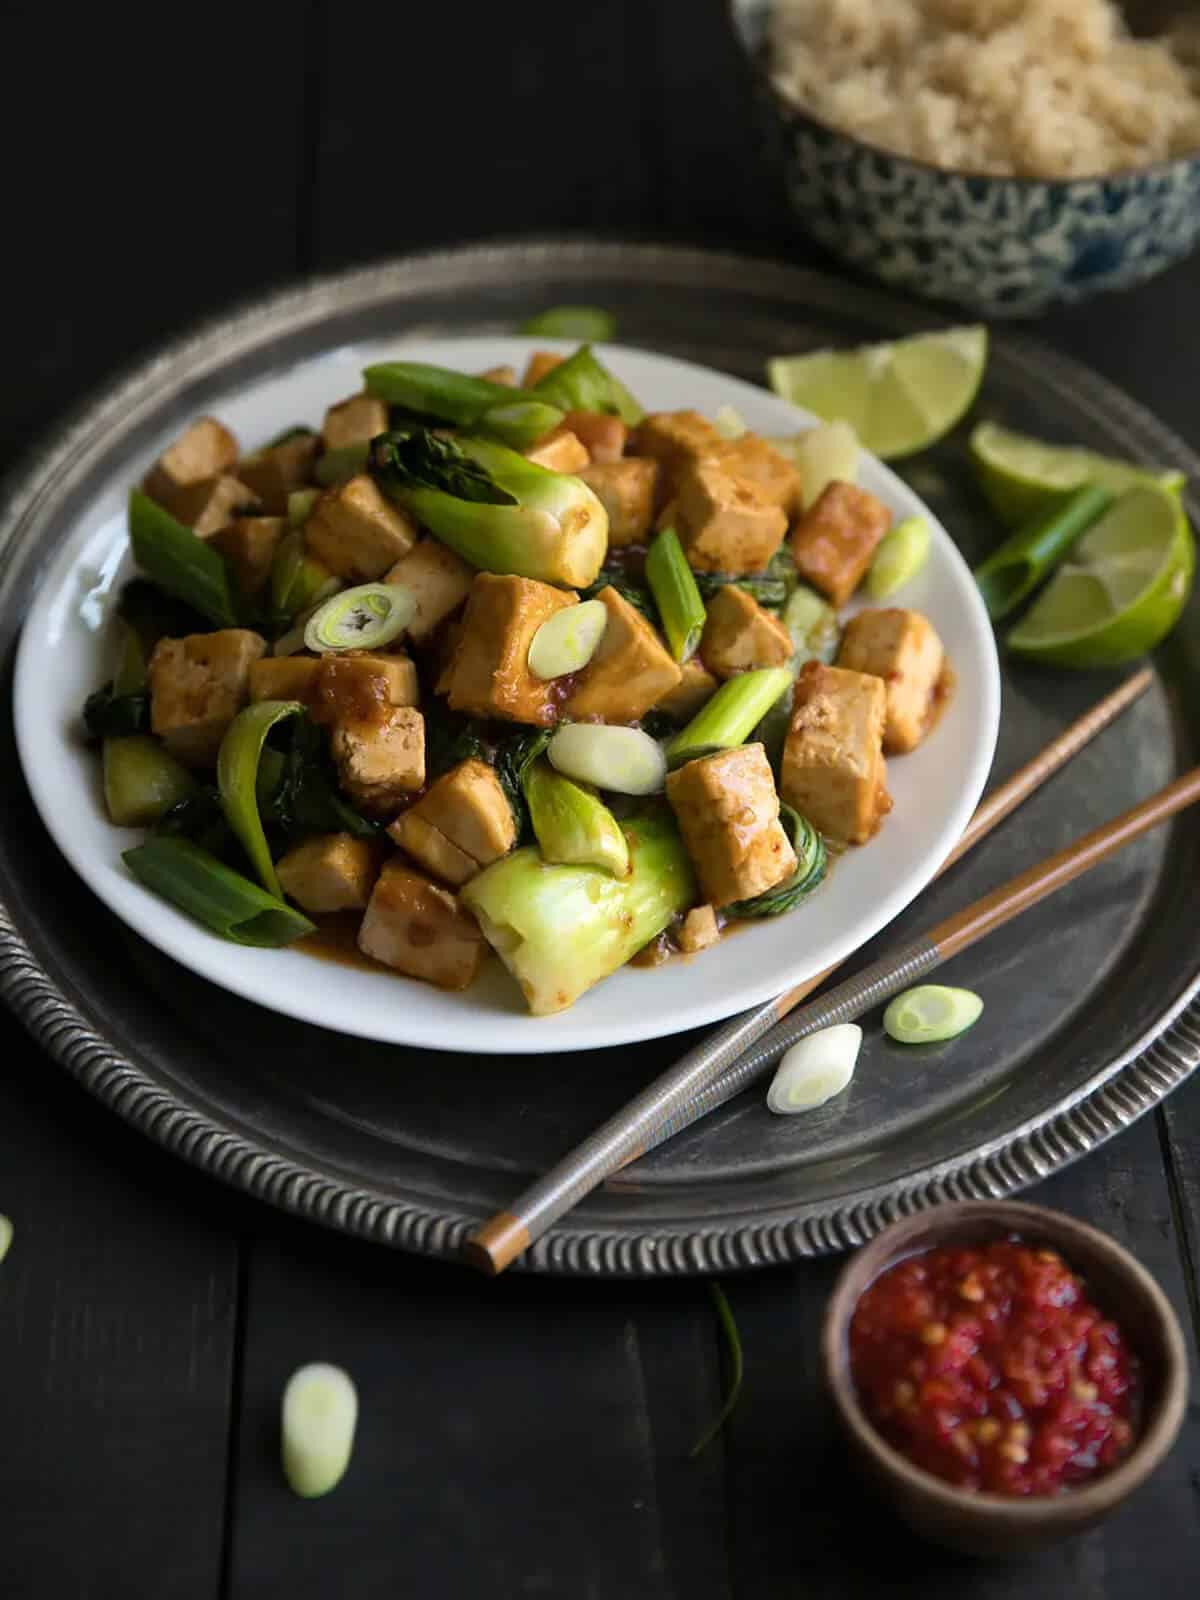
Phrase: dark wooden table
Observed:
(528, 1438)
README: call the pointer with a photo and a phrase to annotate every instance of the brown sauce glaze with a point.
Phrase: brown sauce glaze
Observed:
(336, 940)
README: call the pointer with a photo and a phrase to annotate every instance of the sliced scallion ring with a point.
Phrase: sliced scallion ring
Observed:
(815, 1070)
(568, 640)
(931, 1013)
(363, 618)
(6, 1234)
(625, 760)
(320, 1413)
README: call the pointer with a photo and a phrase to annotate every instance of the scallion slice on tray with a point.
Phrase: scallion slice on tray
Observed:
(320, 1414)
(366, 617)
(931, 1013)
(815, 1070)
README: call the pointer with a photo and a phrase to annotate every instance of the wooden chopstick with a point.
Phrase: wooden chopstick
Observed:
(719, 1068)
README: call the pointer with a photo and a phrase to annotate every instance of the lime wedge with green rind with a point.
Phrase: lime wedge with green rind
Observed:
(1021, 476)
(1122, 591)
(899, 397)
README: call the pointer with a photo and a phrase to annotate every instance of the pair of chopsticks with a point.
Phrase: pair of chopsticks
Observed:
(740, 1051)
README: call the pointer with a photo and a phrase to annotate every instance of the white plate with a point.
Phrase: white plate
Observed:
(62, 658)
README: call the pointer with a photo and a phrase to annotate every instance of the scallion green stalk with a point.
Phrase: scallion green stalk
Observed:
(339, 466)
(237, 780)
(673, 585)
(582, 383)
(517, 417)
(572, 322)
(729, 718)
(1011, 573)
(222, 900)
(179, 561)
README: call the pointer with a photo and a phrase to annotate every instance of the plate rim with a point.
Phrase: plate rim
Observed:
(1116, 1096)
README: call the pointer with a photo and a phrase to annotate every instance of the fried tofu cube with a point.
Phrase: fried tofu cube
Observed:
(602, 435)
(248, 545)
(357, 533)
(362, 685)
(209, 506)
(903, 649)
(468, 806)
(330, 872)
(432, 850)
(835, 539)
(833, 771)
(696, 687)
(627, 489)
(676, 440)
(698, 930)
(274, 474)
(205, 450)
(505, 376)
(630, 671)
(752, 459)
(740, 635)
(419, 928)
(354, 421)
(198, 684)
(725, 524)
(439, 581)
(541, 362)
(489, 674)
(285, 678)
(381, 762)
(560, 451)
(728, 814)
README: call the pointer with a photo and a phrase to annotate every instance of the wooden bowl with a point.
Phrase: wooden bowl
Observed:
(990, 1524)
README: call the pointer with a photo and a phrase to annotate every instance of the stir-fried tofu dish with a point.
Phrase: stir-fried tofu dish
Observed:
(498, 666)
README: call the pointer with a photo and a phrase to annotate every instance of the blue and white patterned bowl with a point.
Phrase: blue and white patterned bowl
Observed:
(1002, 247)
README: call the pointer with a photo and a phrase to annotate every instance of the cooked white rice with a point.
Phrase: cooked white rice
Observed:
(1039, 88)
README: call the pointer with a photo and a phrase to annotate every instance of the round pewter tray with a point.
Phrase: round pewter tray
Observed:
(1090, 1018)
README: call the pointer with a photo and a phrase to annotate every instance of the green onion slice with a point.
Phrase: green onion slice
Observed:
(815, 1070)
(363, 618)
(625, 760)
(930, 1013)
(673, 585)
(6, 1235)
(812, 862)
(1011, 573)
(320, 1414)
(179, 561)
(572, 322)
(901, 555)
(568, 640)
(223, 900)
(237, 781)
(729, 718)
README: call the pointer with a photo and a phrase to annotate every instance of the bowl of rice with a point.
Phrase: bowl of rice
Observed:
(1002, 155)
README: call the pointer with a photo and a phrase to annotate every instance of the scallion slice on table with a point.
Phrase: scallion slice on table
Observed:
(673, 585)
(811, 864)
(572, 322)
(815, 1070)
(732, 714)
(6, 1235)
(142, 780)
(1011, 573)
(320, 1415)
(625, 760)
(179, 561)
(901, 555)
(571, 824)
(237, 781)
(931, 1013)
(366, 617)
(223, 900)
(568, 640)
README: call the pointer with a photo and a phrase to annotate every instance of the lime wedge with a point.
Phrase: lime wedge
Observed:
(1121, 592)
(898, 397)
(1020, 475)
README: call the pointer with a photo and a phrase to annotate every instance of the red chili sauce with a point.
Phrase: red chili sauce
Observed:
(992, 1369)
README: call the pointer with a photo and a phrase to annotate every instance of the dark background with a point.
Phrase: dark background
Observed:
(528, 1437)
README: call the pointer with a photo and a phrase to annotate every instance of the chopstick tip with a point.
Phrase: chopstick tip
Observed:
(496, 1244)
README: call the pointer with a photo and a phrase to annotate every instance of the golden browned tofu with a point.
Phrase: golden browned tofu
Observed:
(285, 678)
(363, 685)
(903, 649)
(728, 814)
(540, 363)
(630, 671)
(559, 451)
(439, 581)
(198, 684)
(330, 872)
(381, 762)
(208, 506)
(506, 376)
(698, 930)
(205, 450)
(488, 675)
(468, 806)
(248, 545)
(740, 635)
(835, 539)
(354, 421)
(752, 459)
(725, 524)
(432, 850)
(602, 435)
(833, 770)
(696, 687)
(627, 489)
(276, 473)
(676, 440)
(419, 928)
(357, 533)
